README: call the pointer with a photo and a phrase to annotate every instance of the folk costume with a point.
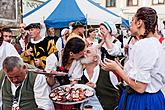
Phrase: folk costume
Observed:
(106, 93)
(33, 92)
(145, 64)
(40, 50)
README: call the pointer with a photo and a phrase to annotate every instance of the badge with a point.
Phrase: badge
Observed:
(15, 106)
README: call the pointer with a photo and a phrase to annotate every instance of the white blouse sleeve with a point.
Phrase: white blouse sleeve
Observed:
(76, 70)
(59, 44)
(51, 62)
(41, 93)
(11, 51)
(163, 44)
(143, 60)
(116, 49)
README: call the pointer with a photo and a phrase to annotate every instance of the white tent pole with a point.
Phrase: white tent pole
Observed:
(86, 26)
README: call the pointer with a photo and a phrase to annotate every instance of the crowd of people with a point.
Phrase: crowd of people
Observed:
(126, 72)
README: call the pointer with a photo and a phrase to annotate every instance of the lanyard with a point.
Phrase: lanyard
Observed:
(19, 96)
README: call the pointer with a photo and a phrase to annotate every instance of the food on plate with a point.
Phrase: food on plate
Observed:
(70, 94)
(49, 71)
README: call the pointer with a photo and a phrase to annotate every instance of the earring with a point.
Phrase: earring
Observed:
(71, 53)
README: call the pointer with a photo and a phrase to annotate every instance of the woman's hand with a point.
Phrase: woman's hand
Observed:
(50, 80)
(109, 65)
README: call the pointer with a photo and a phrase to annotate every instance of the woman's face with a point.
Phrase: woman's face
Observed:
(103, 30)
(133, 27)
(92, 34)
(81, 30)
(79, 55)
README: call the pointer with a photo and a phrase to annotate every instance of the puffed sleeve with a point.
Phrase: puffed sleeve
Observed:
(41, 93)
(116, 49)
(14, 52)
(51, 62)
(142, 61)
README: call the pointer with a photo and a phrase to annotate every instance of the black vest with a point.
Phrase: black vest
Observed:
(27, 100)
(105, 91)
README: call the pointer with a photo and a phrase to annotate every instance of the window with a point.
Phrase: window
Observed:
(156, 2)
(132, 2)
(110, 3)
(8, 9)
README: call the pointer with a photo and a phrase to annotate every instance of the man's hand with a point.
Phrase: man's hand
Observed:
(28, 52)
(37, 62)
(91, 84)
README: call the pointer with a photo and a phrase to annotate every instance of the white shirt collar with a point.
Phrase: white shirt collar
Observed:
(95, 74)
(35, 42)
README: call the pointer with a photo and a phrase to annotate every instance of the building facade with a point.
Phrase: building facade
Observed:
(29, 5)
(127, 8)
(11, 11)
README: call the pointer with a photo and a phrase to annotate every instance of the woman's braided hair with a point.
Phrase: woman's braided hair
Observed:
(149, 17)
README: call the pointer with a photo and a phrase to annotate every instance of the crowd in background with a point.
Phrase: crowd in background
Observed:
(124, 66)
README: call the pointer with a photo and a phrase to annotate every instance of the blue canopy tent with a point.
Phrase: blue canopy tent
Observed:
(125, 23)
(64, 14)
(59, 13)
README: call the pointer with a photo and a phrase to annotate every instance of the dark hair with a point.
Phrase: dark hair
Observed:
(6, 30)
(1, 37)
(164, 22)
(33, 25)
(149, 17)
(90, 30)
(74, 45)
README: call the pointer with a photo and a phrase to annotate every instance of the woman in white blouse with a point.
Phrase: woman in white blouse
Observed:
(111, 46)
(144, 71)
(68, 60)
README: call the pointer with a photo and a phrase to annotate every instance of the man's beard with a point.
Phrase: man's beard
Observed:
(86, 60)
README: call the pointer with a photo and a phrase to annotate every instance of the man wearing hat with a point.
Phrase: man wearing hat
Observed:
(39, 48)
(77, 30)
